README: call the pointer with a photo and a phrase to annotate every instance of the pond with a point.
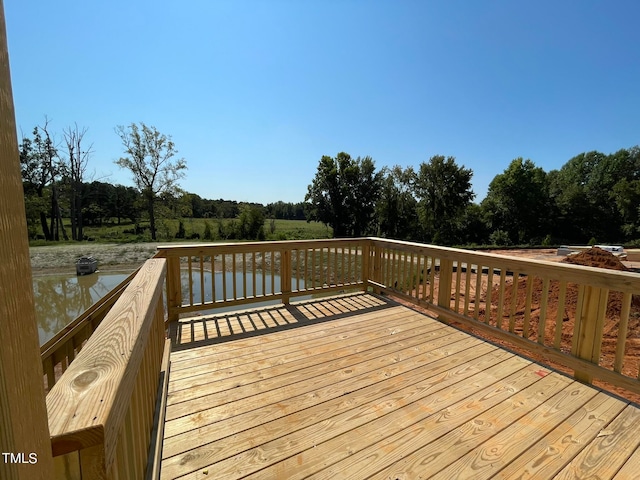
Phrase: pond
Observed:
(240, 286)
(61, 298)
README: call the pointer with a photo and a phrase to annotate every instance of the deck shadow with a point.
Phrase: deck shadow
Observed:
(229, 326)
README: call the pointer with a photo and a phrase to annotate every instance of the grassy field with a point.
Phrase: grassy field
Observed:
(195, 229)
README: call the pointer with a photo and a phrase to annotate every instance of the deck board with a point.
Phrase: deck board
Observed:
(325, 358)
(287, 348)
(358, 387)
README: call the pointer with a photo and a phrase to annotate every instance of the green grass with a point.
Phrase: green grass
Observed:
(297, 230)
(167, 229)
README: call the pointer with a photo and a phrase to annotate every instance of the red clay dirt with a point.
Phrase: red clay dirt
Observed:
(594, 257)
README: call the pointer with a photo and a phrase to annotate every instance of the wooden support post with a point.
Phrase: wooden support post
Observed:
(590, 313)
(24, 431)
(366, 265)
(444, 283)
(174, 288)
(285, 275)
(377, 267)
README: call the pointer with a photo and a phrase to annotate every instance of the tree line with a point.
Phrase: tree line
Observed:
(593, 197)
(57, 186)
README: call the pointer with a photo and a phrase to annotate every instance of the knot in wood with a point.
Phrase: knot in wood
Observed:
(85, 379)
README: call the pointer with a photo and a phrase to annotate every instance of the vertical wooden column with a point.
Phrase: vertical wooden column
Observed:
(285, 274)
(24, 430)
(444, 283)
(174, 288)
(587, 336)
(366, 265)
(378, 250)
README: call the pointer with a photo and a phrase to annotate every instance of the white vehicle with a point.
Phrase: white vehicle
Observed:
(611, 248)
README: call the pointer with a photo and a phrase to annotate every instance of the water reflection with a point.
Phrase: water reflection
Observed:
(243, 287)
(61, 298)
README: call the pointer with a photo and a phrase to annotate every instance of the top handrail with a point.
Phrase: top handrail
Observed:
(602, 278)
(239, 247)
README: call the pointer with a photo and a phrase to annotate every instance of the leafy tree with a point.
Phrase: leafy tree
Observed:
(625, 193)
(343, 194)
(327, 196)
(518, 203)
(472, 226)
(251, 223)
(286, 210)
(591, 192)
(176, 204)
(197, 206)
(444, 192)
(567, 189)
(41, 170)
(123, 204)
(36, 177)
(627, 198)
(225, 208)
(103, 202)
(397, 207)
(149, 157)
(98, 203)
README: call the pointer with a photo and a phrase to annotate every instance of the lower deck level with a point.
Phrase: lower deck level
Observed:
(357, 386)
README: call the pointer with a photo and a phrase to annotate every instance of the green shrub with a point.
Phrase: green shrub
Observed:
(208, 234)
(181, 231)
(500, 238)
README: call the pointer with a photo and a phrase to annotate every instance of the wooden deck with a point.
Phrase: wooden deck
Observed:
(360, 387)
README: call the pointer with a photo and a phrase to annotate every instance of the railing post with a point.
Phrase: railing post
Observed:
(587, 335)
(376, 275)
(366, 265)
(285, 274)
(174, 288)
(444, 283)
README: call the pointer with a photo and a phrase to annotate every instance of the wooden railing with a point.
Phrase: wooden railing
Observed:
(202, 277)
(101, 411)
(59, 351)
(562, 312)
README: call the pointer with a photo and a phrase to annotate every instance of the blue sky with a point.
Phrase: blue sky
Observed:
(255, 92)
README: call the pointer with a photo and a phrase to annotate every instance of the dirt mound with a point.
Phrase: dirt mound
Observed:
(596, 257)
